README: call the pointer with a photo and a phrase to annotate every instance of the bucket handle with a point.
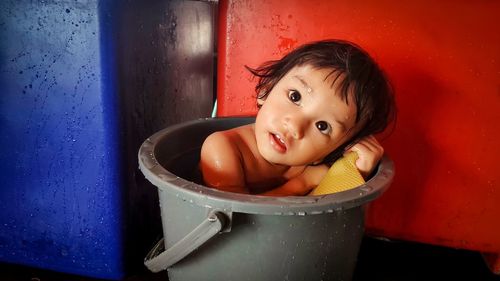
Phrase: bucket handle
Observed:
(159, 258)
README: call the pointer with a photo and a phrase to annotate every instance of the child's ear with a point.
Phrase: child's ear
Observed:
(261, 98)
(260, 102)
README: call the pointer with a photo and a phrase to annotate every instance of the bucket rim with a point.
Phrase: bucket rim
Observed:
(211, 198)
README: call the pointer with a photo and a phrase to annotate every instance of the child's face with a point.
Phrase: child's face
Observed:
(303, 118)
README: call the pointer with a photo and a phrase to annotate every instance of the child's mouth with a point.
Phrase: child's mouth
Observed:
(278, 143)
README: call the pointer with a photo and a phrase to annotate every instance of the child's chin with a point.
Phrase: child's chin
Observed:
(282, 162)
(274, 160)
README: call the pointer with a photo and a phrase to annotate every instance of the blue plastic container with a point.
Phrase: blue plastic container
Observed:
(59, 139)
(82, 84)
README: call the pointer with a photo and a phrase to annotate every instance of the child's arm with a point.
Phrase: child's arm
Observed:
(220, 164)
(369, 154)
(302, 184)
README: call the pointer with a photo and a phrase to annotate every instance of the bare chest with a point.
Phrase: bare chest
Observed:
(261, 175)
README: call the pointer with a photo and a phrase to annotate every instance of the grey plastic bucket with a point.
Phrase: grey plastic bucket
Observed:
(215, 235)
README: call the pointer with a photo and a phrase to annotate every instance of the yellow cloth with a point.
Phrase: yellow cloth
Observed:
(342, 175)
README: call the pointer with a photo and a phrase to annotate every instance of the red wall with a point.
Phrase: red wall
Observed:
(443, 58)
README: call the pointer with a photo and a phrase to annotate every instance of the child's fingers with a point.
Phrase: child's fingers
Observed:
(369, 153)
(375, 146)
(370, 140)
(359, 147)
(368, 144)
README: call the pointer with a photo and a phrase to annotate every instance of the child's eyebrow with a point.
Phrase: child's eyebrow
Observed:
(310, 90)
(304, 83)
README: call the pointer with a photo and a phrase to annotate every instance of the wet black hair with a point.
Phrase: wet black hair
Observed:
(356, 72)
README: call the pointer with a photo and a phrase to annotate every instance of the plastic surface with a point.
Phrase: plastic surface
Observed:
(160, 258)
(270, 238)
(82, 84)
(443, 60)
(59, 149)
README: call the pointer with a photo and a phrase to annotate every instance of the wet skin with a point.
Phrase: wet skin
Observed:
(301, 121)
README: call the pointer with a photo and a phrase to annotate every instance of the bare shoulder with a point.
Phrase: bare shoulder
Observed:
(224, 144)
(220, 160)
(218, 140)
(220, 148)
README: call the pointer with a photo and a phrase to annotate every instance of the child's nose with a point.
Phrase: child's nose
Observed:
(294, 127)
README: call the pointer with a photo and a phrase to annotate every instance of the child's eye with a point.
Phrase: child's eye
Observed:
(294, 96)
(324, 127)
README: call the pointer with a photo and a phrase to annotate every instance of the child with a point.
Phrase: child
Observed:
(316, 103)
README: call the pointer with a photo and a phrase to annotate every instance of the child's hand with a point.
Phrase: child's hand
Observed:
(369, 153)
